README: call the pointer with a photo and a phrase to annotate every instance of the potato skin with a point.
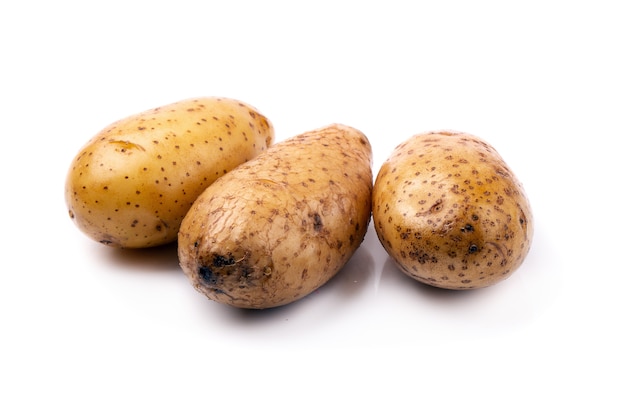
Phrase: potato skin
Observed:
(131, 185)
(450, 212)
(278, 227)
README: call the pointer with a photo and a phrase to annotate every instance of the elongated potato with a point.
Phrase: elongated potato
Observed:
(278, 227)
(450, 212)
(131, 185)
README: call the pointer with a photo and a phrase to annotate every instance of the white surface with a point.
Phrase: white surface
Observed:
(87, 330)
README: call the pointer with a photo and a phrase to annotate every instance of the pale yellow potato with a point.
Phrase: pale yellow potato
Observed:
(450, 212)
(131, 185)
(278, 227)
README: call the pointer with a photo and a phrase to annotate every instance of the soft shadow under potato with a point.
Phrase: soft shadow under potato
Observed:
(352, 279)
(393, 275)
(160, 258)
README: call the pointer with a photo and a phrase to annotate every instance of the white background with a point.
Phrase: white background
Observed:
(87, 330)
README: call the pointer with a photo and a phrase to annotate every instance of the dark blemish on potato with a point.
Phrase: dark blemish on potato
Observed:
(421, 256)
(207, 275)
(317, 222)
(467, 228)
(246, 271)
(220, 261)
(472, 248)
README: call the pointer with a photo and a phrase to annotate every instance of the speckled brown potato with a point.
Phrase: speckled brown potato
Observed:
(131, 185)
(450, 212)
(278, 227)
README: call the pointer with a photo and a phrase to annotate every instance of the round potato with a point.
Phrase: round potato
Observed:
(278, 227)
(450, 212)
(131, 185)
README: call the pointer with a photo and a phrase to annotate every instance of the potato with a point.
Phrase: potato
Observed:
(278, 227)
(450, 212)
(131, 185)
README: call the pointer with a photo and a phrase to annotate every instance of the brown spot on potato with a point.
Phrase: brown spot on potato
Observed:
(317, 222)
